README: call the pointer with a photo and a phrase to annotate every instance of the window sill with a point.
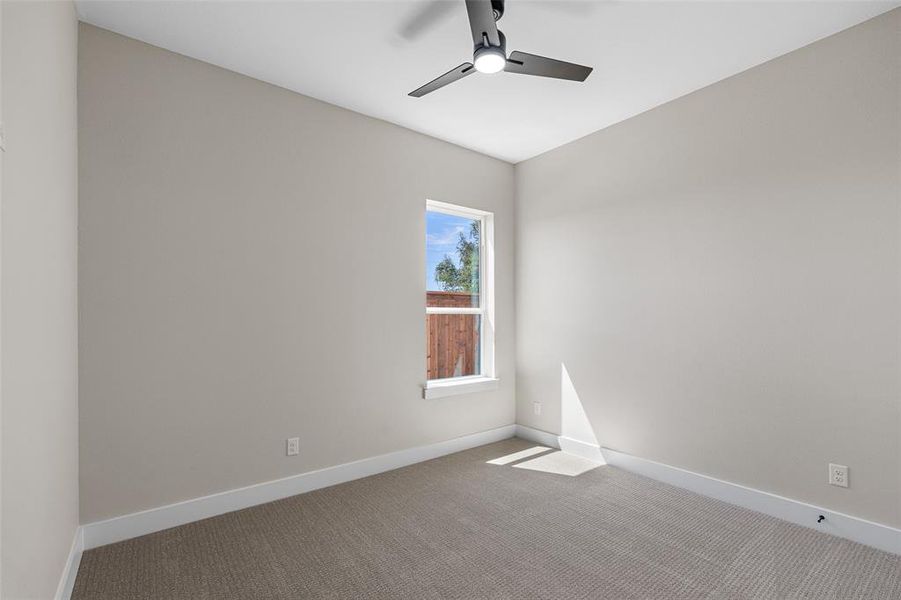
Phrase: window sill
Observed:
(457, 386)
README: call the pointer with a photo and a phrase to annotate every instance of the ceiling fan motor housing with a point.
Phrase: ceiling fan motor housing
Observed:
(494, 56)
(486, 45)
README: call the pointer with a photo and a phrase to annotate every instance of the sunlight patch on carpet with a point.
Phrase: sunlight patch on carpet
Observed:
(509, 458)
(559, 463)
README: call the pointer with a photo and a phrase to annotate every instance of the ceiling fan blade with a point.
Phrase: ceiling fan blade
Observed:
(449, 77)
(481, 21)
(531, 64)
(425, 17)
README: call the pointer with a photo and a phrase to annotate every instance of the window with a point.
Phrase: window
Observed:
(459, 300)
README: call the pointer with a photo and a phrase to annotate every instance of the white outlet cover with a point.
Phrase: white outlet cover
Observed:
(838, 475)
(536, 407)
(293, 446)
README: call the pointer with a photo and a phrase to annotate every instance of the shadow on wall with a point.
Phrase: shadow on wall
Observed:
(576, 431)
(579, 451)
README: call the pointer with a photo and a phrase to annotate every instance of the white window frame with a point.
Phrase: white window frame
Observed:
(486, 379)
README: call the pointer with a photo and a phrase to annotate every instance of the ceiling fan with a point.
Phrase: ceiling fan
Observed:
(490, 53)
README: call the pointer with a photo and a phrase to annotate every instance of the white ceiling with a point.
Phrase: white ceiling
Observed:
(353, 54)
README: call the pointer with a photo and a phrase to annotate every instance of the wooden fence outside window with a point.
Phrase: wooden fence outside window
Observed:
(452, 341)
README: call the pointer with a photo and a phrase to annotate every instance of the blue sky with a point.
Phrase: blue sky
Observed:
(441, 233)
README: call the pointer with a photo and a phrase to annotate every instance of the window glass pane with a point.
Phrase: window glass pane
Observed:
(452, 345)
(452, 260)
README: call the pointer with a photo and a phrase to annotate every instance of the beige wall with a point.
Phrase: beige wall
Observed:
(39, 314)
(720, 277)
(251, 269)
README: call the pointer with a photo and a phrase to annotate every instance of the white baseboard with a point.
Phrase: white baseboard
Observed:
(580, 448)
(839, 524)
(67, 579)
(568, 445)
(141, 523)
(172, 515)
(858, 530)
(536, 435)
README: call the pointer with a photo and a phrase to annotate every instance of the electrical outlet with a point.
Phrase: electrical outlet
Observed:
(536, 406)
(293, 446)
(838, 475)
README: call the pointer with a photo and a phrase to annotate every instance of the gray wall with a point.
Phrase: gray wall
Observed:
(252, 268)
(720, 277)
(38, 317)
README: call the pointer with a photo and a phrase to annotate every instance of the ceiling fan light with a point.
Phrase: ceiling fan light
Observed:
(490, 60)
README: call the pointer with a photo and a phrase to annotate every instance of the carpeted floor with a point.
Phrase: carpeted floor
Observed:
(457, 527)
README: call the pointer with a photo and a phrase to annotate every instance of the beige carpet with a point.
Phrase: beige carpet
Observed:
(457, 527)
